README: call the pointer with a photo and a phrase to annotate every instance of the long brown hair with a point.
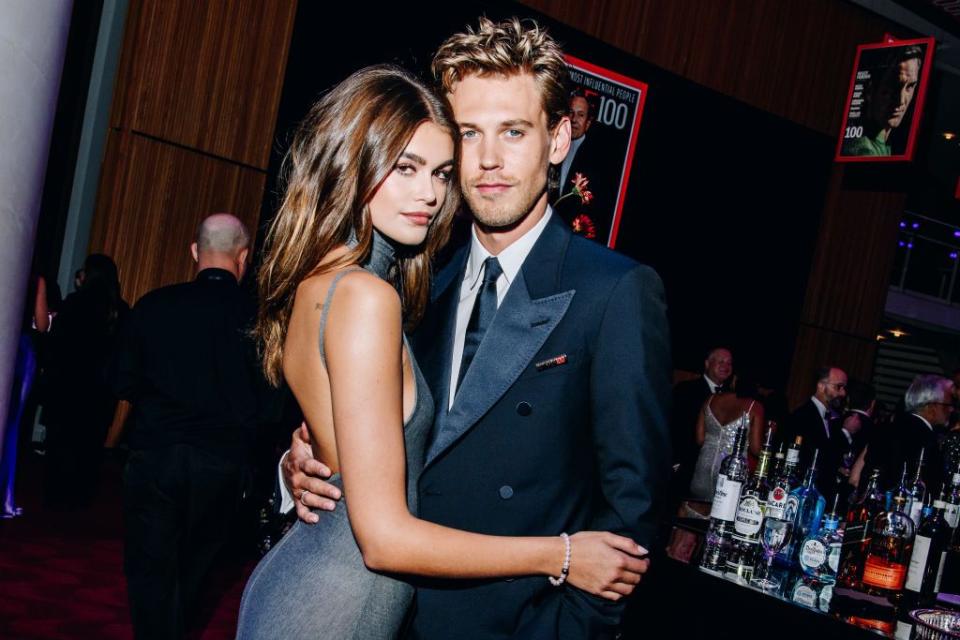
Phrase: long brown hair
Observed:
(344, 149)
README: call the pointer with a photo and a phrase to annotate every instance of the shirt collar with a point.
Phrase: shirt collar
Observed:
(820, 407)
(925, 421)
(215, 274)
(710, 383)
(511, 258)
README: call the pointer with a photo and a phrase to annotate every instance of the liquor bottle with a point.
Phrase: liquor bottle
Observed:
(929, 552)
(952, 511)
(791, 467)
(891, 543)
(723, 512)
(820, 552)
(950, 580)
(779, 459)
(856, 532)
(918, 493)
(745, 541)
(806, 505)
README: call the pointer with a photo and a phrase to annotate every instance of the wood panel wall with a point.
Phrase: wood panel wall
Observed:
(791, 58)
(192, 123)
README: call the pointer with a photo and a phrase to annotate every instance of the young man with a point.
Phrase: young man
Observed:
(548, 357)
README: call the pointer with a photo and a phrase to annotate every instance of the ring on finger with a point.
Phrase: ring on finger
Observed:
(303, 494)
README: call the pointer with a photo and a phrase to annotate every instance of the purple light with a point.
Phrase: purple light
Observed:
(902, 243)
(953, 256)
(915, 225)
(910, 245)
(903, 225)
(956, 234)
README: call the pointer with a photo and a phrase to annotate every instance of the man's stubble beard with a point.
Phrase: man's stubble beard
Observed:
(496, 215)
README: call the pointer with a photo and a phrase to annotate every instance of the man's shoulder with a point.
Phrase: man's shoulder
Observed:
(603, 267)
(169, 294)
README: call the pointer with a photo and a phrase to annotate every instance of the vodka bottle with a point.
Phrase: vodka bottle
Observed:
(726, 498)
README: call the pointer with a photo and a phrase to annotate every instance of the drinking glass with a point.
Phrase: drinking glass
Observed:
(774, 537)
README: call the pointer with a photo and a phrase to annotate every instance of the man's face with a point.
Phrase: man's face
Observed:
(833, 391)
(507, 147)
(939, 412)
(579, 117)
(892, 97)
(719, 365)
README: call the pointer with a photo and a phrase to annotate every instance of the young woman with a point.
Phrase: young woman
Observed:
(369, 201)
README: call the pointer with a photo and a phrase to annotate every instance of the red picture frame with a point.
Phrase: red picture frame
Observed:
(877, 126)
(618, 103)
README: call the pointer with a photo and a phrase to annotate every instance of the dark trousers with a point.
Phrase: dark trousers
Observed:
(179, 505)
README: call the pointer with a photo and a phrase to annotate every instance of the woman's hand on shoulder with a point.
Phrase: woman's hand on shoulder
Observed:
(606, 564)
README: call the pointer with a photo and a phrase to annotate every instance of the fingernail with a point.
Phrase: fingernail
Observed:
(336, 495)
(642, 551)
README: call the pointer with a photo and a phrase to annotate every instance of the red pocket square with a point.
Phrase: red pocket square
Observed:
(556, 361)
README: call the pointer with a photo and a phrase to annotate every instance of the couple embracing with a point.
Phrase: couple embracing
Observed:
(501, 471)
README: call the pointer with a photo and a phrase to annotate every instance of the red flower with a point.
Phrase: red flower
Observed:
(580, 188)
(583, 226)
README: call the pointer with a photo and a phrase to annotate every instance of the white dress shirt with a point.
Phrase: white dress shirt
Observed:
(826, 422)
(511, 259)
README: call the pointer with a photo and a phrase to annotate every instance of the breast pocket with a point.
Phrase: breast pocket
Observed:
(554, 362)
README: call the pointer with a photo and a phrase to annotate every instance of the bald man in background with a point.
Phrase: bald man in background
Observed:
(188, 368)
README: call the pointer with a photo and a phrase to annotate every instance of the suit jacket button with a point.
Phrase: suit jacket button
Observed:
(524, 409)
(506, 492)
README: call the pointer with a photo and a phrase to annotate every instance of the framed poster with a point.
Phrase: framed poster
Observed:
(885, 101)
(605, 113)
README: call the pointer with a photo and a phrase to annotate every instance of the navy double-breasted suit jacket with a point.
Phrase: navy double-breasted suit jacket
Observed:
(539, 450)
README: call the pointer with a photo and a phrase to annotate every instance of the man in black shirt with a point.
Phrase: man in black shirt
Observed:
(186, 365)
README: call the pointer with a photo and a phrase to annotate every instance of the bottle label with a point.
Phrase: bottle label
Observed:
(918, 562)
(793, 455)
(939, 504)
(805, 595)
(790, 510)
(854, 533)
(952, 515)
(884, 575)
(812, 554)
(725, 499)
(776, 501)
(749, 516)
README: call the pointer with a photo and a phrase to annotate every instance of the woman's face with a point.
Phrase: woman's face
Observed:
(407, 201)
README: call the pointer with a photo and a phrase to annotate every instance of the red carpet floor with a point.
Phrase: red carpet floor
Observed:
(61, 573)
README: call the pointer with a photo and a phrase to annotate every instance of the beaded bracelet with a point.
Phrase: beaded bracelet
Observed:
(566, 564)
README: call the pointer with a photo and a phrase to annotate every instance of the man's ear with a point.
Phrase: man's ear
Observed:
(560, 141)
(242, 262)
(193, 252)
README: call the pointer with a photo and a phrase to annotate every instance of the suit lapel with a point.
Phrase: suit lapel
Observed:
(527, 316)
(434, 338)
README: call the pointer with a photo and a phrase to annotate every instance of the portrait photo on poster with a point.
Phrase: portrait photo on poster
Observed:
(591, 185)
(885, 101)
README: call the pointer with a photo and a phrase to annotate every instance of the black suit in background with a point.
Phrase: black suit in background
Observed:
(806, 421)
(900, 443)
(187, 366)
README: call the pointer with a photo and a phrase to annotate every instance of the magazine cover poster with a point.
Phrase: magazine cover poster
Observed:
(605, 113)
(885, 101)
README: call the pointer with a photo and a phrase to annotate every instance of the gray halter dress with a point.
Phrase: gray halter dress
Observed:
(313, 583)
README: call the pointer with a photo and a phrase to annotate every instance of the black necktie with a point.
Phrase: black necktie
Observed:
(484, 308)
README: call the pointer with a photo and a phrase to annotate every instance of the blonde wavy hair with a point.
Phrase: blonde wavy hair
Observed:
(342, 152)
(507, 48)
